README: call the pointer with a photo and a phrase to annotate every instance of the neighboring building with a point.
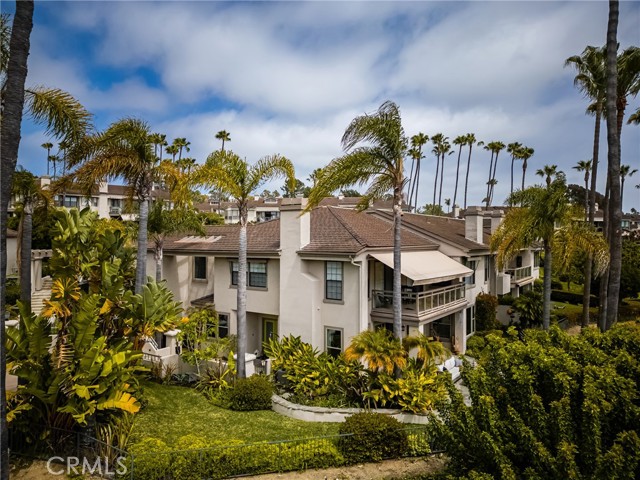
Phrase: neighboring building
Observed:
(327, 275)
(630, 222)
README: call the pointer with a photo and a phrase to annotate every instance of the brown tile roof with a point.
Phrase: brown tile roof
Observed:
(343, 230)
(450, 230)
(262, 238)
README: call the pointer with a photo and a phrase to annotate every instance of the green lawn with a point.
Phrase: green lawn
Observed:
(176, 411)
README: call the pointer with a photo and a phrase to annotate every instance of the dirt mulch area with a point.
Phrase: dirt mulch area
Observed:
(404, 468)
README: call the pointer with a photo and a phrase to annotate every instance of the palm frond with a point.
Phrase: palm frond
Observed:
(269, 168)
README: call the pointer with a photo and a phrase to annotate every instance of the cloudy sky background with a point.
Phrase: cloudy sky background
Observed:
(287, 77)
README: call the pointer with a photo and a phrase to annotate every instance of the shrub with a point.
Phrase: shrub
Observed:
(486, 306)
(475, 344)
(574, 298)
(151, 459)
(506, 299)
(556, 285)
(253, 393)
(375, 437)
(12, 292)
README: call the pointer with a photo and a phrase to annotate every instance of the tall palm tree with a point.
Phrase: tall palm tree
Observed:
(159, 141)
(224, 136)
(123, 150)
(634, 118)
(437, 141)
(447, 202)
(314, 176)
(495, 147)
(460, 140)
(230, 174)
(514, 149)
(548, 172)
(445, 148)
(48, 146)
(63, 117)
(417, 142)
(375, 146)
(628, 81)
(525, 154)
(546, 214)
(585, 166)
(181, 143)
(173, 151)
(470, 140)
(625, 171)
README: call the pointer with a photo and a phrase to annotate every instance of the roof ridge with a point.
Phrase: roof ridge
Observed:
(347, 227)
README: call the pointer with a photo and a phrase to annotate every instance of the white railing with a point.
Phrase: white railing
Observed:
(152, 341)
(520, 273)
(421, 302)
(115, 210)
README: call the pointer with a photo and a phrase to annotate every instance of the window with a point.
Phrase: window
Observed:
(223, 325)
(200, 268)
(333, 341)
(471, 280)
(256, 274)
(442, 328)
(70, 201)
(333, 285)
(470, 316)
(486, 269)
(536, 258)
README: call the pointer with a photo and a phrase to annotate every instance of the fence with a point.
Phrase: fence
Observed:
(152, 461)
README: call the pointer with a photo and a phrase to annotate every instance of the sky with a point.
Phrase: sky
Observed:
(288, 77)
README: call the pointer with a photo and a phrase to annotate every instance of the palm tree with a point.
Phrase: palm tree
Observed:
(546, 214)
(470, 140)
(525, 154)
(460, 140)
(378, 350)
(181, 143)
(417, 142)
(625, 171)
(173, 151)
(514, 149)
(437, 140)
(123, 150)
(429, 350)
(585, 166)
(232, 175)
(158, 140)
(628, 80)
(314, 176)
(63, 117)
(224, 136)
(30, 196)
(548, 172)
(496, 147)
(447, 202)
(48, 146)
(445, 148)
(375, 146)
(634, 118)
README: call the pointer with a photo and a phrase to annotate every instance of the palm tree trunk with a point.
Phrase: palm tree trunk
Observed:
(613, 140)
(586, 196)
(586, 292)
(524, 171)
(141, 254)
(417, 182)
(410, 185)
(157, 255)
(466, 180)
(455, 190)
(489, 181)
(604, 279)
(13, 103)
(242, 293)
(512, 160)
(621, 190)
(397, 265)
(546, 285)
(441, 177)
(495, 167)
(435, 183)
(25, 255)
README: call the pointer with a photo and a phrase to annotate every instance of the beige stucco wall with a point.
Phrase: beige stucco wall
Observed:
(12, 256)
(177, 270)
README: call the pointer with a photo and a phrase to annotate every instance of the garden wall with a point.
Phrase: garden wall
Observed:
(321, 414)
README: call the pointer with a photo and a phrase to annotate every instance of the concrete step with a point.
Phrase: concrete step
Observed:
(38, 298)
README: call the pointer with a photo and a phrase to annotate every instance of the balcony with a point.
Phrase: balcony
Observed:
(520, 276)
(421, 306)
(115, 211)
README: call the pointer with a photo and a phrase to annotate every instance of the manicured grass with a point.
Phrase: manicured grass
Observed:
(175, 411)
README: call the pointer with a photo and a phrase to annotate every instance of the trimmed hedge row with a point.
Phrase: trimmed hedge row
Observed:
(573, 298)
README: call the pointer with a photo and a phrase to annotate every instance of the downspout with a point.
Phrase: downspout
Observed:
(359, 265)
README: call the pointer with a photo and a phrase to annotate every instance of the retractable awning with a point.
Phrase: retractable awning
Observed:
(426, 267)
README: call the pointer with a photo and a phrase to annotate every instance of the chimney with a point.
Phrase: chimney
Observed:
(295, 229)
(340, 196)
(496, 219)
(456, 211)
(473, 224)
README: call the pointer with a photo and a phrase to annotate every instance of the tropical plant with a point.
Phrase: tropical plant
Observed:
(182, 144)
(585, 166)
(59, 112)
(529, 307)
(232, 175)
(378, 350)
(428, 350)
(546, 214)
(548, 172)
(224, 136)
(379, 160)
(123, 150)
(430, 209)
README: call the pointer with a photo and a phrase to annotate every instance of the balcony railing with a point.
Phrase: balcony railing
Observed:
(422, 302)
(518, 274)
(115, 210)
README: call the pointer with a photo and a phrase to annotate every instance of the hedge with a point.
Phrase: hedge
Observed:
(573, 298)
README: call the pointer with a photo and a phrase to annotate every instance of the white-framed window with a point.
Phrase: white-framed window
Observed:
(470, 316)
(471, 279)
(486, 269)
(256, 274)
(333, 281)
(223, 325)
(333, 341)
(199, 268)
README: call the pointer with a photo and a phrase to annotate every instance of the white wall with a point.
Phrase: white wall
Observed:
(12, 255)
(177, 270)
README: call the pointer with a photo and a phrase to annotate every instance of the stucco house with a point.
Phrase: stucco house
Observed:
(327, 275)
